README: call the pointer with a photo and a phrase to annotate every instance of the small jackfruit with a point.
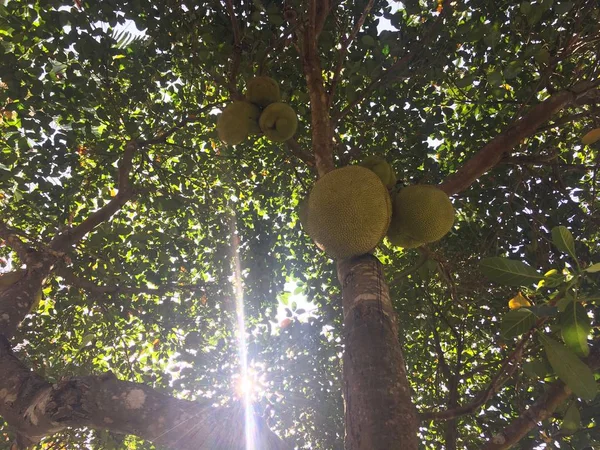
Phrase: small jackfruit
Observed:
(238, 120)
(421, 214)
(382, 169)
(262, 91)
(349, 211)
(278, 122)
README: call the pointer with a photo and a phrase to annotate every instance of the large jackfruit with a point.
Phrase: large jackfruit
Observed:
(382, 168)
(262, 91)
(349, 211)
(422, 214)
(238, 120)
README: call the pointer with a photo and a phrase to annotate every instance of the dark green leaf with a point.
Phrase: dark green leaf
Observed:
(570, 369)
(510, 272)
(517, 322)
(563, 240)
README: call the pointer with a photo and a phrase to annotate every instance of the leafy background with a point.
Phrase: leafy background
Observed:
(77, 85)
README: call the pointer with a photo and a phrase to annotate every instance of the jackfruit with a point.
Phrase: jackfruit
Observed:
(349, 211)
(382, 169)
(238, 120)
(262, 91)
(278, 122)
(421, 214)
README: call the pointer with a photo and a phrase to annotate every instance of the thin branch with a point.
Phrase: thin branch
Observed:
(300, 152)
(237, 51)
(90, 286)
(503, 374)
(400, 65)
(71, 236)
(538, 411)
(492, 153)
(161, 138)
(344, 49)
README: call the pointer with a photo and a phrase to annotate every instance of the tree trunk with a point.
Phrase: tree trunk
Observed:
(379, 413)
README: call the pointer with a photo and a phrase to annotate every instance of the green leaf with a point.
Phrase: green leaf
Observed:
(570, 369)
(575, 328)
(593, 268)
(563, 240)
(86, 340)
(571, 420)
(538, 368)
(367, 41)
(510, 272)
(517, 322)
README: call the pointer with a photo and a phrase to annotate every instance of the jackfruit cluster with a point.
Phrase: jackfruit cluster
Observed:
(350, 210)
(262, 111)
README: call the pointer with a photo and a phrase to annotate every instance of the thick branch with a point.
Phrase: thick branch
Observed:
(539, 411)
(493, 152)
(70, 237)
(14, 241)
(35, 408)
(322, 137)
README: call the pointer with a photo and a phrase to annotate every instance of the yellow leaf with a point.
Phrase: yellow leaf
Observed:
(591, 137)
(113, 192)
(518, 301)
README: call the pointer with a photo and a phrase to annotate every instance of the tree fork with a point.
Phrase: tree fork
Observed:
(379, 413)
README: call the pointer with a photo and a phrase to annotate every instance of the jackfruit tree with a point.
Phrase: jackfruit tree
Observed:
(278, 224)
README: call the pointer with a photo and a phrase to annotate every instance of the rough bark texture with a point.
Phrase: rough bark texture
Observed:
(35, 408)
(379, 412)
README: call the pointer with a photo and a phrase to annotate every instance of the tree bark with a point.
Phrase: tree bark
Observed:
(35, 408)
(379, 413)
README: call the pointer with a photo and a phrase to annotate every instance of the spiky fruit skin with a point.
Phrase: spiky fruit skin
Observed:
(237, 121)
(399, 239)
(349, 211)
(278, 122)
(382, 169)
(262, 91)
(422, 214)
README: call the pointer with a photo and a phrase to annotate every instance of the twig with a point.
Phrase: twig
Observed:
(401, 64)
(71, 236)
(503, 374)
(345, 45)
(237, 51)
(90, 286)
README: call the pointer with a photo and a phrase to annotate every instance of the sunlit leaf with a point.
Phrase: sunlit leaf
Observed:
(517, 322)
(510, 272)
(563, 240)
(575, 328)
